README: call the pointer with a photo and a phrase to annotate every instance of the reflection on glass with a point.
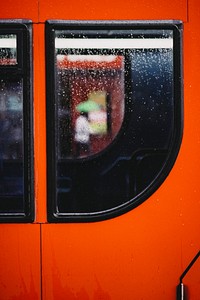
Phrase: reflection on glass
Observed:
(90, 102)
(90, 75)
(105, 79)
(8, 49)
(152, 92)
(11, 138)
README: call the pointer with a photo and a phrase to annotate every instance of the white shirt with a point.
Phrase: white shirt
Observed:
(82, 130)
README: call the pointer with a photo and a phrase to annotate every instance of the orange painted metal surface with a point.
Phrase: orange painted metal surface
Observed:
(110, 10)
(189, 156)
(20, 262)
(19, 9)
(141, 254)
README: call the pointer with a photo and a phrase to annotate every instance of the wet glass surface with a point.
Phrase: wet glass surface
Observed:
(90, 103)
(8, 49)
(118, 88)
(11, 140)
(90, 85)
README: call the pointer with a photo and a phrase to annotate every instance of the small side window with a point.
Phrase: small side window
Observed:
(16, 182)
(114, 114)
(8, 49)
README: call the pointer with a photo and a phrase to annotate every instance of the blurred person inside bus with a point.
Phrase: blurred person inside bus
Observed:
(82, 135)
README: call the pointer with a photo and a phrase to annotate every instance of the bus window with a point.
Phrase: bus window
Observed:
(16, 191)
(114, 114)
(8, 49)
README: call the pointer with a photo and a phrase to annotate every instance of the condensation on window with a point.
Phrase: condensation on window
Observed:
(11, 137)
(8, 49)
(95, 77)
(90, 97)
(153, 96)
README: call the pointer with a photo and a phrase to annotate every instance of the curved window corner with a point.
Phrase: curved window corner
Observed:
(114, 114)
(16, 157)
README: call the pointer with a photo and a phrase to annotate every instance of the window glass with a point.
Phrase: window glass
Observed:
(114, 116)
(11, 143)
(90, 107)
(91, 96)
(16, 157)
(152, 88)
(8, 49)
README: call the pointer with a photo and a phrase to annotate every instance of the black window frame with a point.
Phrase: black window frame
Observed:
(22, 70)
(98, 26)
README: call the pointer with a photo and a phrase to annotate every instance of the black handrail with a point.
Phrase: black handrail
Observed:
(180, 287)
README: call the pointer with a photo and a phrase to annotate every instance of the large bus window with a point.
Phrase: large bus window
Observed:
(16, 182)
(114, 114)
